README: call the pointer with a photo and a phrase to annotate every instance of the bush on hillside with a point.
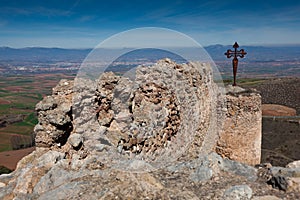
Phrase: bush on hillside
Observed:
(4, 170)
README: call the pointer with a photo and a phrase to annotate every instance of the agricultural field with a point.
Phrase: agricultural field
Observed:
(245, 82)
(18, 97)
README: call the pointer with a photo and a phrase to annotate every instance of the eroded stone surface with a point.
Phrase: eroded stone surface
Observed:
(116, 138)
(266, 197)
(161, 114)
(238, 192)
(240, 139)
(54, 115)
(295, 164)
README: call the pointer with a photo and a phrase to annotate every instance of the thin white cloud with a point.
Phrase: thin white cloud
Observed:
(86, 18)
(217, 16)
(14, 11)
(36, 10)
(249, 36)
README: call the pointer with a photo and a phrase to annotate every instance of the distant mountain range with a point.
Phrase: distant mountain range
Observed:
(254, 53)
(41, 54)
(259, 53)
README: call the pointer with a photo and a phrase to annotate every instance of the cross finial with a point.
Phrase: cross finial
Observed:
(235, 45)
(241, 53)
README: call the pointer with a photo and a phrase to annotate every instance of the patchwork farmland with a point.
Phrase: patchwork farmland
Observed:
(18, 97)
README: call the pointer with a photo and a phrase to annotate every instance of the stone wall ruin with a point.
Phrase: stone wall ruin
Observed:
(164, 113)
(241, 136)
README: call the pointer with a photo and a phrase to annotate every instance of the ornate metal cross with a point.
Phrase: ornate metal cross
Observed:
(241, 53)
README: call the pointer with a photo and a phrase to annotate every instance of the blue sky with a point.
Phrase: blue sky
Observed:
(85, 23)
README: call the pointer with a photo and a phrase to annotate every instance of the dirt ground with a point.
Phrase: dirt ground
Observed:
(9, 159)
(280, 140)
(282, 91)
(281, 135)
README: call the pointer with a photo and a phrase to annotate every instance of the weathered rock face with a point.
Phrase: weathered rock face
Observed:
(240, 139)
(54, 114)
(161, 113)
(286, 179)
(142, 123)
(144, 137)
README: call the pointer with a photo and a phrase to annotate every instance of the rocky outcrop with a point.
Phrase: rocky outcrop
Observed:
(164, 113)
(54, 115)
(286, 179)
(161, 113)
(149, 135)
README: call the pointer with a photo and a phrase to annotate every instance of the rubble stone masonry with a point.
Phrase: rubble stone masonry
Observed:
(240, 139)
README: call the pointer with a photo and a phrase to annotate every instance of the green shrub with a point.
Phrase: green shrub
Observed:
(4, 170)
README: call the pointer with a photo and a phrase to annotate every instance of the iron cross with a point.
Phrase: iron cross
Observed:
(241, 53)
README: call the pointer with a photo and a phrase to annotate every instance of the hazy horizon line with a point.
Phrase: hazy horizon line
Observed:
(86, 48)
